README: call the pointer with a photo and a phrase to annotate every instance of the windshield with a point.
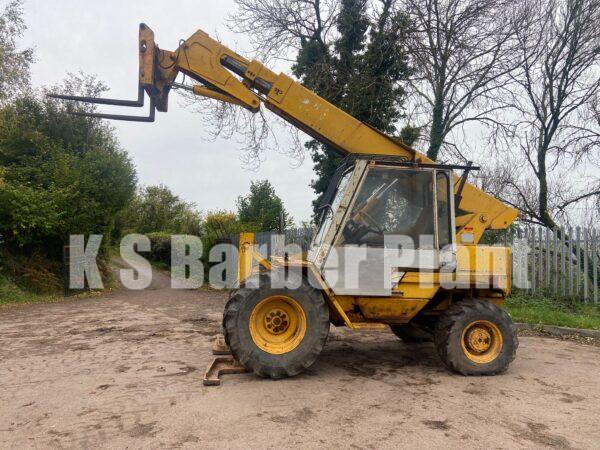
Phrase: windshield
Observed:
(329, 212)
(391, 202)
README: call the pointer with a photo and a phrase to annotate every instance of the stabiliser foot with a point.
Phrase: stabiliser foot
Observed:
(224, 364)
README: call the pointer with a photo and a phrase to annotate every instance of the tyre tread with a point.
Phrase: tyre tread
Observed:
(249, 357)
(455, 314)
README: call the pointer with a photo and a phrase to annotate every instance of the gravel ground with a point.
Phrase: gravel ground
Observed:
(125, 370)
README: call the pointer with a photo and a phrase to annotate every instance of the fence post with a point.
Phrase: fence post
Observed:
(66, 266)
(571, 251)
(278, 242)
(595, 263)
(563, 257)
(533, 252)
(540, 258)
(532, 258)
(547, 283)
(556, 271)
(577, 261)
(586, 276)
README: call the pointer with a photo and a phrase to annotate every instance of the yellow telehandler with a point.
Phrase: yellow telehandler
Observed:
(408, 229)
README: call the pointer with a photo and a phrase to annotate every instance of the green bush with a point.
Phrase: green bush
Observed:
(160, 247)
(24, 278)
(59, 175)
(11, 292)
(217, 227)
(156, 209)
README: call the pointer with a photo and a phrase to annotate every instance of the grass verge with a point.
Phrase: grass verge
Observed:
(539, 309)
(38, 280)
(12, 293)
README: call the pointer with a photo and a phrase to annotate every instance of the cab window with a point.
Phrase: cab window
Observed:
(391, 201)
(444, 219)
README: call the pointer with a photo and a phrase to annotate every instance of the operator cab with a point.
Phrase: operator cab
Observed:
(384, 215)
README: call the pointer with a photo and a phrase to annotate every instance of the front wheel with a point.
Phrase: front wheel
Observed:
(276, 333)
(476, 338)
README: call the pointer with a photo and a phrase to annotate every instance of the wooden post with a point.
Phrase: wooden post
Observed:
(595, 263)
(532, 258)
(585, 278)
(570, 253)
(548, 282)
(556, 271)
(540, 258)
(278, 245)
(66, 268)
(563, 257)
(577, 261)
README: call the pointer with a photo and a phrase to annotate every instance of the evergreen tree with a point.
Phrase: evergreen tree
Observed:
(262, 209)
(362, 71)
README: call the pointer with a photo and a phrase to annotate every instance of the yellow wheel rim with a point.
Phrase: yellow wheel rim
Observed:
(277, 324)
(482, 341)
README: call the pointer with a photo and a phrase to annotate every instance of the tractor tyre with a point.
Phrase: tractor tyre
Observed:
(411, 333)
(476, 338)
(276, 332)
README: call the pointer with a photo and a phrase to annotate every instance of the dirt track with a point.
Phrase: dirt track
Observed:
(125, 370)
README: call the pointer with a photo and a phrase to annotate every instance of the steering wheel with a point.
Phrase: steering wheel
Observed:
(371, 223)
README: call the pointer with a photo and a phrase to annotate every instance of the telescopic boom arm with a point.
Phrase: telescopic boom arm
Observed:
(224, 75)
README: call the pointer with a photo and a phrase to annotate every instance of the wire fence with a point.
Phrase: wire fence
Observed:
(560, 263)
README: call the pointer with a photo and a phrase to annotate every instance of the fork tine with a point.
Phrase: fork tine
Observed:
(149, 118)
(104, 101)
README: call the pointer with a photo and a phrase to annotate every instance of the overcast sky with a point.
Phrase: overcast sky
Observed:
(100, 38)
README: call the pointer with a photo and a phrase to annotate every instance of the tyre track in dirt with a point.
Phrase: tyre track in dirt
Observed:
(125, 369)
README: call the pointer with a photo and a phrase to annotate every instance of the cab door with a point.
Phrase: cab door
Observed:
(400, 220)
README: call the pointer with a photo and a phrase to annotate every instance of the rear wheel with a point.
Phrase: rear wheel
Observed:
(411, 333)
(476, 338)
(276, 333)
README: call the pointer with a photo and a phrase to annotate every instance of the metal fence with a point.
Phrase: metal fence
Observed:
(560, 263)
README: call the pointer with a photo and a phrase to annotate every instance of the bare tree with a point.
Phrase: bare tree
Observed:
(14, 63)
(554, 101)
(587, 131)
(279, 27)
(352, 53)
(463, 52)
(255, 133)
